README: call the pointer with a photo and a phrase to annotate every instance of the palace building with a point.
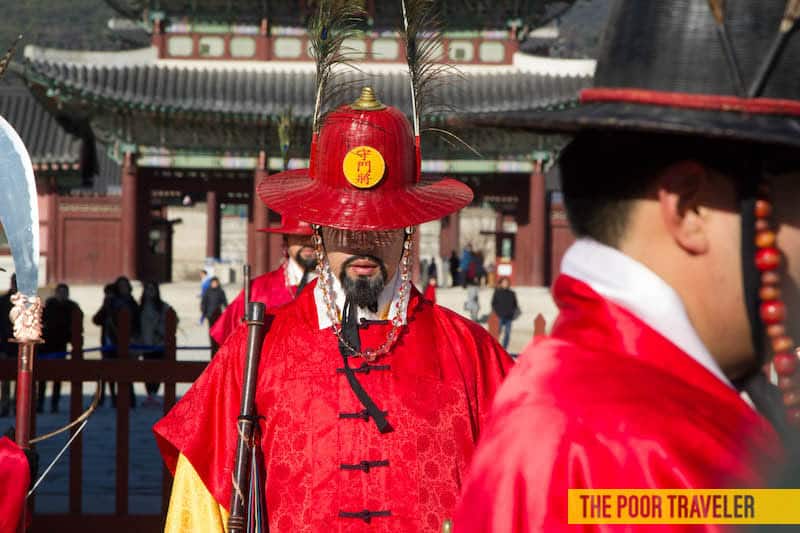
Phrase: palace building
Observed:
(118, 136)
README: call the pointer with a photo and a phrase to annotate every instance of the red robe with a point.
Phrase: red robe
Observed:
(15, 478)
(269, 289)
(436, 385)
(606, 402)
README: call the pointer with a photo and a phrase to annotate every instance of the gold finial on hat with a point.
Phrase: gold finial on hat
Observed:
(367, 101)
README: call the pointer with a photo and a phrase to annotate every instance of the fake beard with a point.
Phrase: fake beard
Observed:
(308, 264)
(363, 290)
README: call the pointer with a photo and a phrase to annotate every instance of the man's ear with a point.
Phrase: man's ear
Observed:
(680, 188)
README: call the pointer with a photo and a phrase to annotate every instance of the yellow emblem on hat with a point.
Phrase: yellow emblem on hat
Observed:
(363, 166)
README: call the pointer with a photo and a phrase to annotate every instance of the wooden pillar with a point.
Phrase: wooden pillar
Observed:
(531, 246)
(212, 225)
(130, 217)
(276, 250)
(158, 39)
(258, 242)
(52, 231)
(449, 236)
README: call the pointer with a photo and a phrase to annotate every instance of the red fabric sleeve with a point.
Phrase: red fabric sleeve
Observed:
(482, 363)
(229, 320)
(15, 478)
(519, 483)
(202, 425)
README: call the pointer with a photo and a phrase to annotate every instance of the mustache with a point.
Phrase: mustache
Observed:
(377, 260)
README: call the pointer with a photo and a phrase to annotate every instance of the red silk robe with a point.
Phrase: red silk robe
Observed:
(269, 289)
(435, 385)
(15, 478)
(606, 402)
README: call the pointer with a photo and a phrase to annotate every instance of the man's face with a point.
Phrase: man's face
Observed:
(301, 250)
(363, 261)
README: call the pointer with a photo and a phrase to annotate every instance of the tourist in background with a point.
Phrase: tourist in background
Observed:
(118, 297)
(472, 305)
(153, 316)
(504, 305)
(466, 265)
(454, 263)
(433, 270)
(57, 333)
(430, 290)
(212, 305)
(205, 281)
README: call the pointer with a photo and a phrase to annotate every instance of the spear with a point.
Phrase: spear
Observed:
(19, 215)
(790, 16)
(718, 10)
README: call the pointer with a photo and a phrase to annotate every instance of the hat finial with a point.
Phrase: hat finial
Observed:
(367, 101)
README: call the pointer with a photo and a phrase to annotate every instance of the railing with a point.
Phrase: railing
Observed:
(123, 370)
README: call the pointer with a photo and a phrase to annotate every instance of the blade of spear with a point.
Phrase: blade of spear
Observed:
(718, 10)
(788, 24)
(19, 215)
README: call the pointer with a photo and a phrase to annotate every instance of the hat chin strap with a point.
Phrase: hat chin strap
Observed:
(766, 397)
(751, 277)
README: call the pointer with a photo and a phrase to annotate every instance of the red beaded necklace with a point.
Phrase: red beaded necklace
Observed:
(772, 310)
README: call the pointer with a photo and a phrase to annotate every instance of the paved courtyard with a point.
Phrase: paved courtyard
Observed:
(145, 467)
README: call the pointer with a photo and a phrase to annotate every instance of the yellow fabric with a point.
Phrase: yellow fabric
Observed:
(192, 509)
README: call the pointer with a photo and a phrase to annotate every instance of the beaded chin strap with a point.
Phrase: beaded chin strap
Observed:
(332, 309)
(772, 310)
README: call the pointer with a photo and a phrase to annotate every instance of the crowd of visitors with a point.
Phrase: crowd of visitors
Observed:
(146, 322)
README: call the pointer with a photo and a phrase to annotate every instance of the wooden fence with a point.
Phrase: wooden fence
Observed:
(123, 370)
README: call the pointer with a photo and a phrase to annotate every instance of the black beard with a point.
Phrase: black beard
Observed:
(306, 264)
(363, 290)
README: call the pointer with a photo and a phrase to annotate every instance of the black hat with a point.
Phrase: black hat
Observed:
(713, 68)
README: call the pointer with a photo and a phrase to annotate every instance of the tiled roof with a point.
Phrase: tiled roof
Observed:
(49, 145)
(261, 93)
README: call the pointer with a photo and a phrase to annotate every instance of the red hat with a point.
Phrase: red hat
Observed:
(290, 226)
(364, 175)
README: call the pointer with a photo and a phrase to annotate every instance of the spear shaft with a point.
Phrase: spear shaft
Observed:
(246, 422)
(24, 401)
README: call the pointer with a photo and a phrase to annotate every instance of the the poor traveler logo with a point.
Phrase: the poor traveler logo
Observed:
(679, 506)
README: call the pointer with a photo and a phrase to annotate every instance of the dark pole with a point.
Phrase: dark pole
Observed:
(247, 420)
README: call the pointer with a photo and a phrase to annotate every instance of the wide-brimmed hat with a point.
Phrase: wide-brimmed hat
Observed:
(290, 226)
(364, 175)
(697, 67)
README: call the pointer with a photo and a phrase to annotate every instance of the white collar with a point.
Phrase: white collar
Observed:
(294, 273)
(628, 283)
(387, 299)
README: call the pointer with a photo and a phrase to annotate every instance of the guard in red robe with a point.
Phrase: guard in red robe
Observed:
(15, 478)
(278, 287)
(681, 184)
(371, 398)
